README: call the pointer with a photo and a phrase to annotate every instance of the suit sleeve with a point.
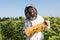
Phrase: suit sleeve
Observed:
(26, 24)
(24, 27)
(48, 23)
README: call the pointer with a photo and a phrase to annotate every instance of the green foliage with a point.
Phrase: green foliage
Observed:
(54, 32)
(11, 28)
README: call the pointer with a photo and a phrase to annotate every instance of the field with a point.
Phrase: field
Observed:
(11, 28)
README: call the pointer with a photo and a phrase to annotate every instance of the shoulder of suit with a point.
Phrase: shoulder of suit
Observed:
(39, 17)
(26, 21)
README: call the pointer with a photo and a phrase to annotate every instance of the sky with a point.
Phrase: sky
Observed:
(15, 8)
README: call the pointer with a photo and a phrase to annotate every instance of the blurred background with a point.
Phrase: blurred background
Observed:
(12, 18)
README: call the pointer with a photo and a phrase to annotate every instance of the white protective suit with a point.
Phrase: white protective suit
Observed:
(29, 23)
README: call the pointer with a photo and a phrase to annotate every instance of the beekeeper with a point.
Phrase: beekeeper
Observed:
(32, 18)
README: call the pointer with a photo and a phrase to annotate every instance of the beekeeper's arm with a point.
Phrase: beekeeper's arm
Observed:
(48, 23)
